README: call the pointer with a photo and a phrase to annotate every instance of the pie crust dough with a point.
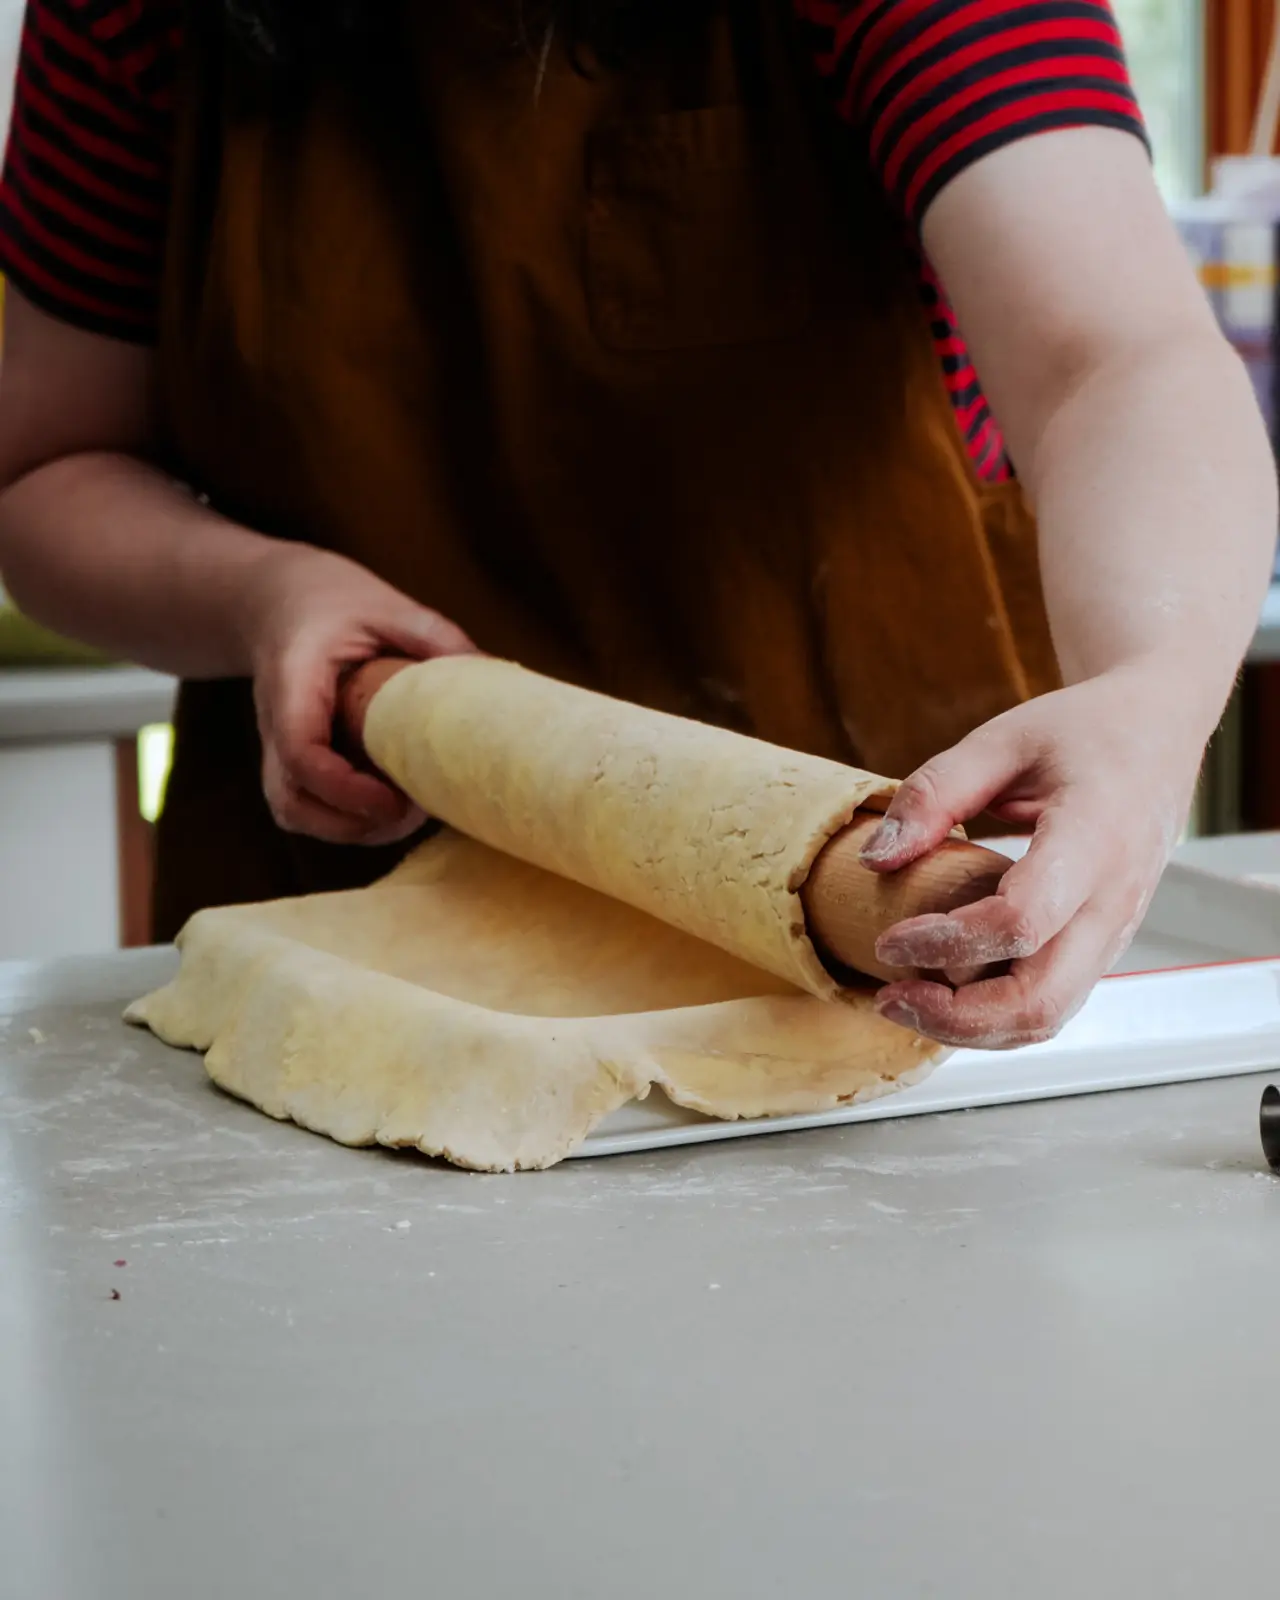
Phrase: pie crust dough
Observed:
(614, 907)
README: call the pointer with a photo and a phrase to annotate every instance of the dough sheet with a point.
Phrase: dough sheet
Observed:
(621, 913)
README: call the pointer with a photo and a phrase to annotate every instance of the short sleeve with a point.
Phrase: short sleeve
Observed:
(84, 195)
(935, 85)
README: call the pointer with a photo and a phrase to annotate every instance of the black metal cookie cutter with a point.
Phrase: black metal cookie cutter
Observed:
(1270, 1120)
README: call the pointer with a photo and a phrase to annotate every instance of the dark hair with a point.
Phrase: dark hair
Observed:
(292, 36)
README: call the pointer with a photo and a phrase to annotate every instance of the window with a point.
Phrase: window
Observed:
(1164, 40)
(10, 29)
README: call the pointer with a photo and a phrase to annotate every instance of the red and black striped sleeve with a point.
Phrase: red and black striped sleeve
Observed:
(935, 85)
(84, 196)
(932, 86)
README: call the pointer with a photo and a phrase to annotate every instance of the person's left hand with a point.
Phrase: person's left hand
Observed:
(1106, 771)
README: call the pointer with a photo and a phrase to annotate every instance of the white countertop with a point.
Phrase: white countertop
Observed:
(1007, 1352)
(48, 705)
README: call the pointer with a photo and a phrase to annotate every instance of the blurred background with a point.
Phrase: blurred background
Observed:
(84, 744)
(1166, 42)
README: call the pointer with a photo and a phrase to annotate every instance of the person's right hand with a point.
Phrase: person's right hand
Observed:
(311, 616)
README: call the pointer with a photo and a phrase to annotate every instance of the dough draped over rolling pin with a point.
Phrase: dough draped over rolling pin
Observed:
(706, 829)
(618, 909)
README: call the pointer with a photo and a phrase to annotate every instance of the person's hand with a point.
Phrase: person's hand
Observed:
(1106, 771)
(311, 616)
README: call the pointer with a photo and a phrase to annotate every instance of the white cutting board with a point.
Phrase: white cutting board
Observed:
(1197, 996)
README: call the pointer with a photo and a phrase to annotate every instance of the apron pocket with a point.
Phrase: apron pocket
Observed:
(689, 239)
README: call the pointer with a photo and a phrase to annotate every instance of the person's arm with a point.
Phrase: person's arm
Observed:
(1133, 426)
(98, 544)
(1131, 421)
(94, 541)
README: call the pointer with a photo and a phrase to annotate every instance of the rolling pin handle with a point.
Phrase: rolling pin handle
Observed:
(356, 689)
(848, 906)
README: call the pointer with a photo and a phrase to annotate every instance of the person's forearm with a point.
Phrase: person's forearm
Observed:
(106, 549)
(1155, 490)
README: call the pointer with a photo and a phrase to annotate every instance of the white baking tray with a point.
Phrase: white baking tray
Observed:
(1246, 857)
(1197, 996)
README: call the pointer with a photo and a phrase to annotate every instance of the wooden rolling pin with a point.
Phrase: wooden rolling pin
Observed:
(847, 906)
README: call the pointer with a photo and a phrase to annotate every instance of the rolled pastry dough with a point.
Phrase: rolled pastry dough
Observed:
(492, 1009)
(709, 830)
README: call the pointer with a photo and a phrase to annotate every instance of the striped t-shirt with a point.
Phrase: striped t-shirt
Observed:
(926, 86)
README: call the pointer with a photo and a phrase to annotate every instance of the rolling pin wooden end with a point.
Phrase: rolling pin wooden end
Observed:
(355, 695)
(848, 906)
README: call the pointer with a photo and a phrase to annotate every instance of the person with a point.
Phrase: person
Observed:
(631, 339)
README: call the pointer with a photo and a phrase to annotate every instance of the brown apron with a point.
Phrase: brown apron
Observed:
(625, 373)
